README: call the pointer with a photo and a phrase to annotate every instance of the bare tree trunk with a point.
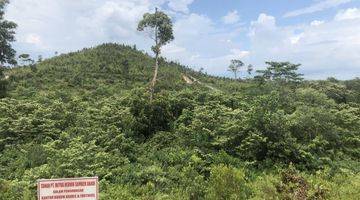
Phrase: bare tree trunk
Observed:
(153, 81)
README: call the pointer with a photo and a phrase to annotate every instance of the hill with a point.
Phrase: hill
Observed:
(115, 67)
(88, 113)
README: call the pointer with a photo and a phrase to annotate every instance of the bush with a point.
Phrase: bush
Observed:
(227, 183)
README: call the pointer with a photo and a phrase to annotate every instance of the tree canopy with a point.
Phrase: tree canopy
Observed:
(159, 27)
(281, 72)
(7, 35)
(235, 67)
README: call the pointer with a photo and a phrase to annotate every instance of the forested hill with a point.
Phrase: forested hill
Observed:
(108, 68)
(88, 113)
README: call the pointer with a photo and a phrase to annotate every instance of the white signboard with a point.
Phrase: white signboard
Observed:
(68, 188)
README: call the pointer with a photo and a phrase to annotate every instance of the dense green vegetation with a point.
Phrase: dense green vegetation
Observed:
(88, 114)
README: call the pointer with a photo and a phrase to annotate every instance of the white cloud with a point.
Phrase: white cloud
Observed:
(265, 24)
(348, 14)
(316, 7)
(237, 53)
(33, 39)
(173, 49)
(231, 17)
(192, 25)
(264, 20)
(199, 43)
(332, 49)
(180, 5)
(67, 25)
(118, 19)
(316, 23)
(295, 39)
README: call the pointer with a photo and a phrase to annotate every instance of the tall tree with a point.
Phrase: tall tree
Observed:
(282, 72)
(7, 53)
(235, 66)
(159, 28)
(7, 35)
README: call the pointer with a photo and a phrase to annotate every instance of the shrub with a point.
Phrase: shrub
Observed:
(227, 183)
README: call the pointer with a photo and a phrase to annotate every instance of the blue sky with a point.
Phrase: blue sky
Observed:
(322, 35)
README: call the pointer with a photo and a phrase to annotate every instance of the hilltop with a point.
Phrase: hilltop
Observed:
(88, 113)
(116, 67)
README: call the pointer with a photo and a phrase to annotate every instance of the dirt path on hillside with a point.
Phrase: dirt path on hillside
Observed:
(190, 80)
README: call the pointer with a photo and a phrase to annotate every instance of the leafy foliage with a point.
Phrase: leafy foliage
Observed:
(3, 82)
(87, 113)
(7, 35)
(235, 66)
(162, 25)
(283, 72)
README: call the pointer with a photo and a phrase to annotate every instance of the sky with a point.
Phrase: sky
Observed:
(322, 35)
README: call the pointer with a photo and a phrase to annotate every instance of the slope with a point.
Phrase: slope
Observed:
(88, 113)
(105, 69)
